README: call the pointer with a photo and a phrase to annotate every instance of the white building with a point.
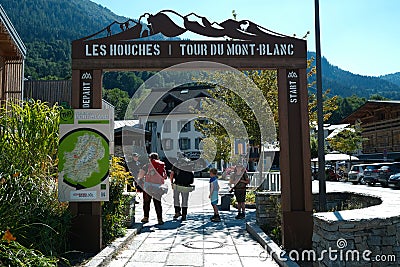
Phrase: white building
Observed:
(171, 120)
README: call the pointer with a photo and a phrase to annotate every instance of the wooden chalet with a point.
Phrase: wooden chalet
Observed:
(12, 58)
(380, 121)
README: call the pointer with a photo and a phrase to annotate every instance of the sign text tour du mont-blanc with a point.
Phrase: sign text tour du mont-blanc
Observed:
(184, 49)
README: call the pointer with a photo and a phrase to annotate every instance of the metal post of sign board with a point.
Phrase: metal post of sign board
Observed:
(320, 115)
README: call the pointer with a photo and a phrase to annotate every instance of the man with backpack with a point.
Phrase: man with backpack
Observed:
(153, 174)
(182, 178)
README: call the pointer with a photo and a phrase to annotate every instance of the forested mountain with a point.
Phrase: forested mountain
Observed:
(345, 83)
(47, 28)
(393, 78)
(61, 20)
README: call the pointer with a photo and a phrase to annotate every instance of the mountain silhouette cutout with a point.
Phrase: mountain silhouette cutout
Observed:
(162, 22)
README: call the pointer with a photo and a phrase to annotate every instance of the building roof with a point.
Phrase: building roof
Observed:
(370, 108)
(169, 100)
(336, 129)
(121, 124)
(10, 42)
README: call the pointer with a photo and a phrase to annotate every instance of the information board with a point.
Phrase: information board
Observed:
(84, 155)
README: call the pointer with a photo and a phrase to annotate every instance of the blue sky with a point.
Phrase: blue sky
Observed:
(361, 36)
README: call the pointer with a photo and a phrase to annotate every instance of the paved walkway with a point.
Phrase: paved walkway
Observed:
(195, 242)
(200, 242)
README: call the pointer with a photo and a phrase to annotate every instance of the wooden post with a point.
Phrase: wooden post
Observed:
(295, 159)
(86, 231)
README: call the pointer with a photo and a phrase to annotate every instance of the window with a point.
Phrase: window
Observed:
(171, 104)
(184, 126)
(197, 142)
(240, 148)
(396, 138)
(167, 144)
(150, 124)
(184, 143)
(167, 126)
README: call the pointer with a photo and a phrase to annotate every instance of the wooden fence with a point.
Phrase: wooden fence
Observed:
(270, 181)
(49, 91)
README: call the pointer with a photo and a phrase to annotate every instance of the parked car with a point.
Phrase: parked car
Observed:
(394, 180)
(371, 172)
(331, 175)
(386, 171)
(356, 173)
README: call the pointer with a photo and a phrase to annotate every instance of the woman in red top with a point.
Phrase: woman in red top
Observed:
(154, 174)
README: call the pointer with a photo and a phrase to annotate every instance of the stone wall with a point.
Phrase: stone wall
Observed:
(355, 232)
(268, 204)
(355, 242)
(346, 201)
(267, 207)
(345, 237)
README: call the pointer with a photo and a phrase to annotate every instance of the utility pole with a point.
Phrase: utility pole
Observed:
(320, 115)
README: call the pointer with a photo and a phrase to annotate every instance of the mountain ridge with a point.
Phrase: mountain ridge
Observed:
(58, 22)
(346, 83)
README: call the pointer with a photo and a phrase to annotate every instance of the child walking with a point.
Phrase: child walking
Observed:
(214, 188)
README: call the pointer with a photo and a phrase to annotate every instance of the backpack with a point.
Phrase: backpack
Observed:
(156, 172)
(184, 177)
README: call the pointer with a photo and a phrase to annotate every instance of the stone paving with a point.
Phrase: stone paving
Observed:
(200, 242)
(195, 242)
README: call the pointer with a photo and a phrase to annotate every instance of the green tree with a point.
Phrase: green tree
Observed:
(126, 81)
(329, 106)
(348, 141)
(313, 146)
(329, 103)
(119, 99)
(239, 112)
(266, 82)
(377, 97)
(347, 106)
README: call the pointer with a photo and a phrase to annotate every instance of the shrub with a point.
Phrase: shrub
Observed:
(250, 198)
(29, 206)
(114, 210)
(14, 254)
(29, 137)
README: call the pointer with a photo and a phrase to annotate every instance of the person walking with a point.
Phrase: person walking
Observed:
(134, 167)
(241, 180)
(153, 175)
(214, 188)
(181, 177)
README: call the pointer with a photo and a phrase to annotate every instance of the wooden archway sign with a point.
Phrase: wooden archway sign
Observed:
(250, 46)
